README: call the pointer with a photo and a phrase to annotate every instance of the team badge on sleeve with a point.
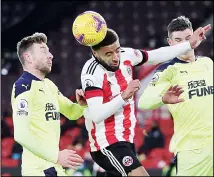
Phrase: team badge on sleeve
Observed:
(88, 83)
(155, 78)
(22, 107)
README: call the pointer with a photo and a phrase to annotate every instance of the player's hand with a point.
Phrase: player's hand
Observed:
(198, 36)
(172, 95)
(69, 158)
(80, 97)
(132, 87)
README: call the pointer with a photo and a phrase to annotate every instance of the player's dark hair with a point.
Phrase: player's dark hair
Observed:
(179, 24)
(110, 38)
(27, 42)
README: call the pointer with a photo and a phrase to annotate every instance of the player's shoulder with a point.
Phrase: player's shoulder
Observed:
(24, 83)
(204, 58)
(167, 64)
(129, 51)
(50, 83)
(92, 67)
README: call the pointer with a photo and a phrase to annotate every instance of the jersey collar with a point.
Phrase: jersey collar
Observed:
(30, 76)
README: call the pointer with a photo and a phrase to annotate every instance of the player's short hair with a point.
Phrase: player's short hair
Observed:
(179, 24)
(110, 38)
(27, 42)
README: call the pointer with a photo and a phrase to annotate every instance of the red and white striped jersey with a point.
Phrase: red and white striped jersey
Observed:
(107, 84)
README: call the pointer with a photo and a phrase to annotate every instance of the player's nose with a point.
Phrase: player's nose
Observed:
(50, 56)
(116, 57)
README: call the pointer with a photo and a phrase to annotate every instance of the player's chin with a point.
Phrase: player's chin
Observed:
(47, 69)
(115, 67)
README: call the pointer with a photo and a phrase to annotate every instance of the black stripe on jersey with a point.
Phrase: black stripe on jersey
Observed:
(145, 58)
(92, 88)
(94, 68)
(90, 66)
(121, 50)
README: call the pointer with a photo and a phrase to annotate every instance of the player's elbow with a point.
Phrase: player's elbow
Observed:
(96, 118)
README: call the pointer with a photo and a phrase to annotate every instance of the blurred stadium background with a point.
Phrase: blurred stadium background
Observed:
(140, 24)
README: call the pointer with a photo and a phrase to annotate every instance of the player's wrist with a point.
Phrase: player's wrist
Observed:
(123, 97)
(123, 100)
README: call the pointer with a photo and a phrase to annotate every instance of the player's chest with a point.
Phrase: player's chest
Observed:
(45, 100)
(116, 82)
(196, 80)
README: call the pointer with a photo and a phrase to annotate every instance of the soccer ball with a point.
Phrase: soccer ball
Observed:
(89, 28)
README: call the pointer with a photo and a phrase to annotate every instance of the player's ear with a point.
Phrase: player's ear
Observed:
(94, 53)
(169, 41)
(27, 57)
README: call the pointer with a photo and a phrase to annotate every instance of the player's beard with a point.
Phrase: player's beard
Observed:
(107, 66)
(44, 69)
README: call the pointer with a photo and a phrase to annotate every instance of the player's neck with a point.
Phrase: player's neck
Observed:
(36, 73)
(190, 58)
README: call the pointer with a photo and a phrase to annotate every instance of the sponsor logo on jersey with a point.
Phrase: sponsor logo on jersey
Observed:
(199, 88)
(51, 113)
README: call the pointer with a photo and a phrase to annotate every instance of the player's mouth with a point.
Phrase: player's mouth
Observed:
(115, 64)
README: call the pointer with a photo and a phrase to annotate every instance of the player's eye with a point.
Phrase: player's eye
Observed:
(108, 54)
(178, 40)
(118, 51)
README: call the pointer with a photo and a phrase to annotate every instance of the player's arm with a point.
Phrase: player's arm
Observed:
(22, 106)
(159, 55)
(152, 95)
(169, 52)
(98, 111)
(72, 111)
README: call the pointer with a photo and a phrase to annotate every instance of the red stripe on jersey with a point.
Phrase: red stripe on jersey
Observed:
(93, 93)
(94, 137)
(110, 121)
(126, 122)
(126, 109)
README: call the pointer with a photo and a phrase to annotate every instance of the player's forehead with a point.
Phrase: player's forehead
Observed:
(182, 34)
(40, 46)
(111, 47)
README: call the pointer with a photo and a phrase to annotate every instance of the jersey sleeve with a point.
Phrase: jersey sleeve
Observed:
(72, 111)
(152, 95)
(137, 56)
(22, 107)
(92, 85)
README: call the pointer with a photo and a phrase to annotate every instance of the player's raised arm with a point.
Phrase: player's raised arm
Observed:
(169, 52)
(22, 105)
